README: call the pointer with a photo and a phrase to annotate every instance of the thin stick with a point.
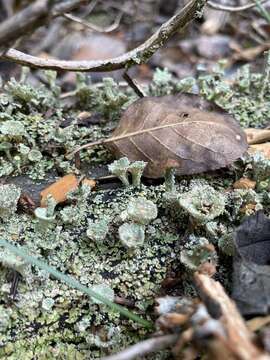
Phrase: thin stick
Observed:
(144, 347)
(137, 89)
(22, 22)
(220, 7)
(139, 55)
(33, 16)
(94, 27)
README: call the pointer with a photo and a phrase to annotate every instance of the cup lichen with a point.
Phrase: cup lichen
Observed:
(131, 235)
(120, 169)
(197, 251)
(141, 211)
(203, 203)
(98, 230)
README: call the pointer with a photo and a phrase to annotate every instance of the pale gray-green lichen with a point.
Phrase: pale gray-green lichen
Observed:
(141, 211)
(120, 169)
(9, 196)
(203, 203)
(226, 244)
(12, 129)
(197, 252)
(34, 155)
(98, 230)
(4, 319)
(260, 167)
(105, 290)
(67, 247)
(131, 235)
(48, 317)
(136, 170)
(11, 261)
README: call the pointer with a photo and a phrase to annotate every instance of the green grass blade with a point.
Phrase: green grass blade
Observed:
(263, 11)
(75, 284)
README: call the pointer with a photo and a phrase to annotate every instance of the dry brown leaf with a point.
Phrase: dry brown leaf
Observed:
(244, 183)
(263, 148)
(61, 188)
(181, 131)
(257, 136)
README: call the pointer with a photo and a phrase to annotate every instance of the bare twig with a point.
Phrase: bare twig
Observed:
(139, 55)
(94, 27)
(220, 7)
(238, 337)
(134, 86)
(145, 347)
(32, 17)
(22, 22)
(67, 6)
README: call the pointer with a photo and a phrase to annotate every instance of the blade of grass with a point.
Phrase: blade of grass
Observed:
(263, 11)
(19, 251)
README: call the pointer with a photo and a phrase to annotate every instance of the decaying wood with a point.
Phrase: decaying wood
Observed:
(257, 136)
(139, 55)
(262, 148)
(60, 189)
(180, 131)
(238, 337)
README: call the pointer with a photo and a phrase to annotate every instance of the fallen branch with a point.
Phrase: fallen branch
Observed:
(139, 55)
(220, 7)
(144, 347)
(238, 337)
(33, 16)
